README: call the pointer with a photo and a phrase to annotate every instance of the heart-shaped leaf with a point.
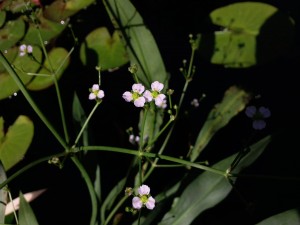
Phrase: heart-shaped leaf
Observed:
(59, 62)
(11, 33)
(23, 65)
(102, 49)
(14, 144)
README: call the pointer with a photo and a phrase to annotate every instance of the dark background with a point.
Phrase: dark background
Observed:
(274, 83)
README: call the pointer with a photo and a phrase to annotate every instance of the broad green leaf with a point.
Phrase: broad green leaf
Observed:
(289, 217)
(23, 65)
(3, 192)
(140, 43)
(16, 141)
(26, 215)
(10, 55)
(59, 61)
(251, 33)
(48, 29)
(61, 10)
(11, 33)
(234, 101)
(208, 189)
(2, 17)
(102, 49)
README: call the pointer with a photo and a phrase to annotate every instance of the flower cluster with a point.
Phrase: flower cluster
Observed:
(258, 116)
(139, 96)
(96, 93)
(143, 198)
(25, 49)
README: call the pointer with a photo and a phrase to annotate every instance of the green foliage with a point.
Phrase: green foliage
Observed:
(11, 33)
(26, 215)
(2, 18)
(290, 217)
(208, 189)
(15, 142)
(23, 65)
(233, 102)
(3, 191)
(139, 41)
(54, 65)
(246, 28)
(103, 50)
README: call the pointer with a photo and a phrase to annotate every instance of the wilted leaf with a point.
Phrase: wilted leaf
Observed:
(16, 141)
(234, 101)
(208, 189)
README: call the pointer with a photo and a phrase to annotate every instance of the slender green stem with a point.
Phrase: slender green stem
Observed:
(27, 167)
(112, 213)
(90, 187)
(59, 99)
(153, 155)
(24, 91)
(143, 129)
(86, 123)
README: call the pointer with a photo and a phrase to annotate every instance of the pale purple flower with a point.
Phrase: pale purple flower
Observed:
(258, 116)
(139, 102)
(195, 102)
(135, 95)
(156, 86)
(148, 96)
(25, 49)
(127, 96)
(96, 93)
(143, 198)
(161, 101)
(134, 139)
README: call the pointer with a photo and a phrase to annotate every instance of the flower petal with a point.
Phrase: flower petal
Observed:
(144, 190)
(100, 94)
(139, 102)
(265, 112)
(259, 124)
(156, 86)
(150, 204)
(92, 96)
(148, 96)
(251, 111)
(137, 203)
(95, 87)
(139, 88)
(127, 96)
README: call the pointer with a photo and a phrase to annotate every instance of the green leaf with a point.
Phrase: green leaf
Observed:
(23, 65)
(102, 49)
(208, 189)
(62, 10)
(140, 43)
(2, 17)
(251, 33)
(59, 61)
(234, 101)
(11, 33)
(15, 143)
(3, 192)
(49, 30)
(10, 55)
(289, 217)
(111, 197)
(26, 215)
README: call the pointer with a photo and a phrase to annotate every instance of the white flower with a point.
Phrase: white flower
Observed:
(143, 199)
(25, 49)
(127, 96)
(195, 103)
(148, 96)
(139, 102)
(138, 88)
(96, 93)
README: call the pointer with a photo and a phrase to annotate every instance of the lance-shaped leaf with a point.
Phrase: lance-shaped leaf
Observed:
(102, 49)
(11, 33)
(251, 33)
(15, 143)
(290, 217)
(59, 61)
(234, 101)
(26, 214)
(208, 189)
(23, 65)
(140, 43)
